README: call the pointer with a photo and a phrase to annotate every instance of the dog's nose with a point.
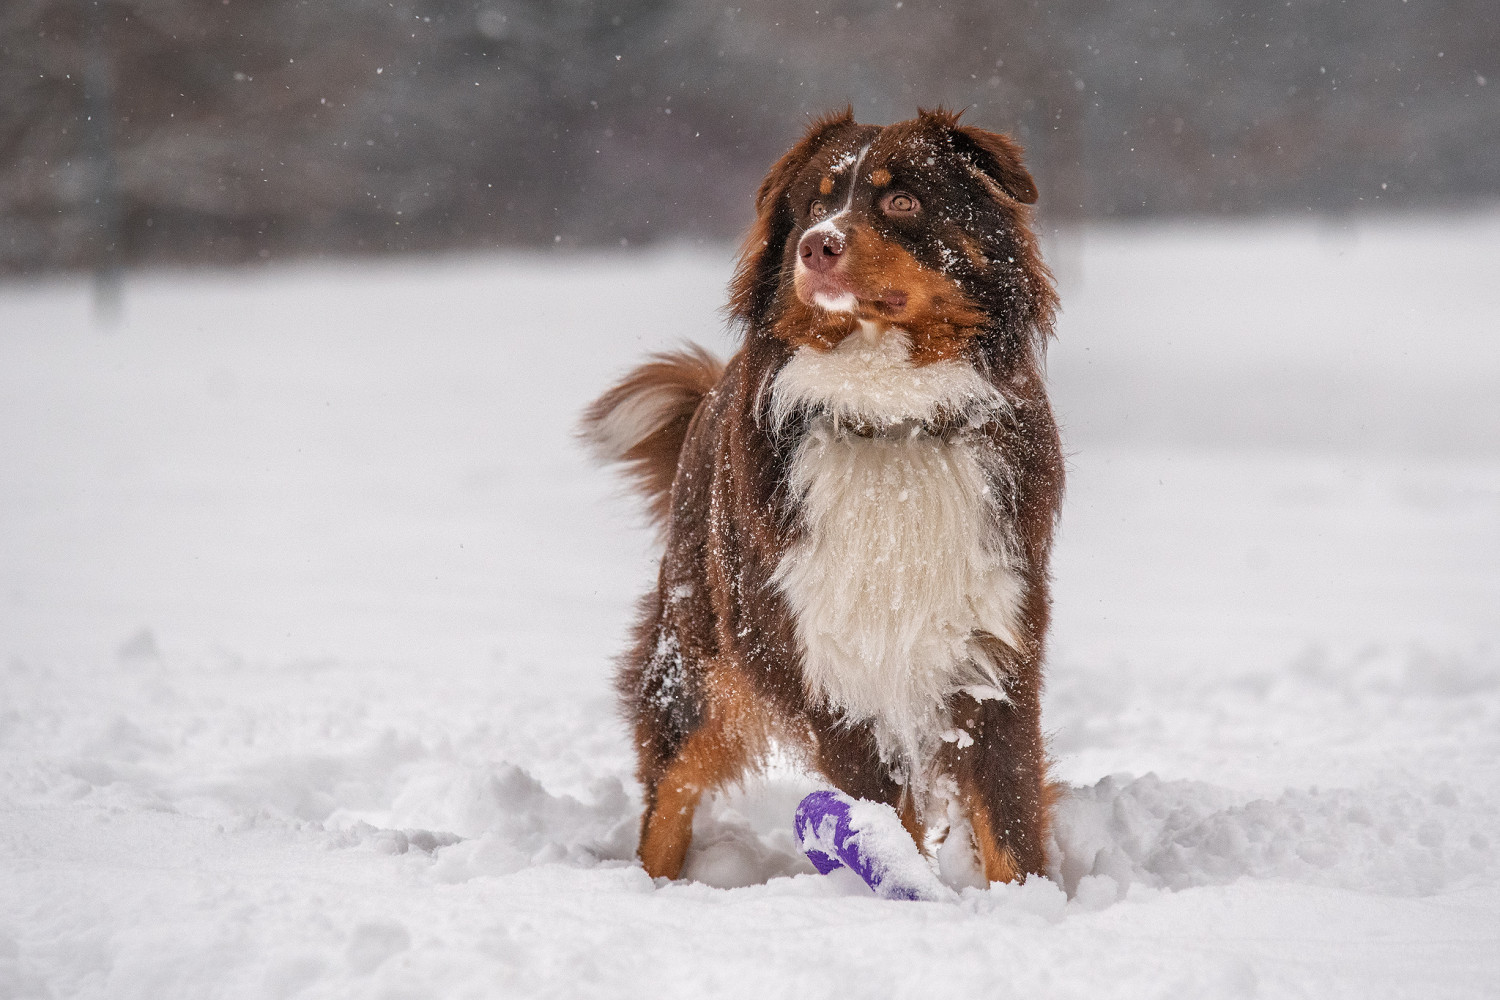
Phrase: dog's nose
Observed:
(821, 249)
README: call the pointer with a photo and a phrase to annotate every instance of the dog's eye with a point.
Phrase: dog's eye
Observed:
(816, 210)
(899, 203)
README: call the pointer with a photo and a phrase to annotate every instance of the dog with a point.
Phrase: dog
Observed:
(857, 509)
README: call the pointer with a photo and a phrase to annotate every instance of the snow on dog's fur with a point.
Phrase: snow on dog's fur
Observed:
(858, 508)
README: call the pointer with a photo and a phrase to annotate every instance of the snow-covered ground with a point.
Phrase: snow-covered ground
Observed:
(307, 602)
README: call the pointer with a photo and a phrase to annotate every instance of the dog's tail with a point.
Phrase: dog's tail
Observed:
(642, 422)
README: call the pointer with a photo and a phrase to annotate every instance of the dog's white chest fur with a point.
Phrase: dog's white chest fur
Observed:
(900, 562)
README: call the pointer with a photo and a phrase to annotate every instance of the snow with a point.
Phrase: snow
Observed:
(308, 599)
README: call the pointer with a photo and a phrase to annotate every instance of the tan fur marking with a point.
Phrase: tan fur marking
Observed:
(939, 317)
(669, 824)
(973, 251)
(825, 186)
(999, 863)
(802, 325)
(718, 753)
(881, 177)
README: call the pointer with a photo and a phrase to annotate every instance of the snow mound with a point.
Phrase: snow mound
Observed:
(1413, 840)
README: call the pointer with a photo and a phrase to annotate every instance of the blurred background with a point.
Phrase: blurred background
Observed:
(217, 131)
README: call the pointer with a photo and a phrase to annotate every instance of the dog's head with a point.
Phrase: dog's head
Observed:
(922, 225)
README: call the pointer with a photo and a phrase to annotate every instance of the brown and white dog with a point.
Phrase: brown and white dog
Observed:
(858, 507)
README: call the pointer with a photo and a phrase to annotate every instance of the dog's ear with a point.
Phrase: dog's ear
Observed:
(756, 274)
(997, 157)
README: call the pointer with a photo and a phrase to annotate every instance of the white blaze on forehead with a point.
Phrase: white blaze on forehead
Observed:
(842, 163)
(845, 302)
(827, 224)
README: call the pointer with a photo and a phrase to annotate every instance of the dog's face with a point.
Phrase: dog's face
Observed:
(921, 225)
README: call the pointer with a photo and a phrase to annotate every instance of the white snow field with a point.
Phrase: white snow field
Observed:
(308, 601)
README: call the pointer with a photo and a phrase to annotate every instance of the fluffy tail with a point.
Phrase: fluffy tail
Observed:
(643, 421)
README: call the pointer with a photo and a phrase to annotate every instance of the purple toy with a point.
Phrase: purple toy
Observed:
(836, 830)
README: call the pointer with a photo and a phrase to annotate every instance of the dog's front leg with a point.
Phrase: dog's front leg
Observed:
(1002, 781)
